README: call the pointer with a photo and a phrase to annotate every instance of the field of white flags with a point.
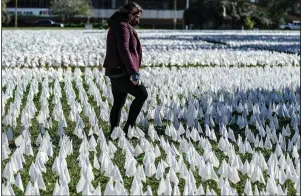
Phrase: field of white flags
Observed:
(222, 116)
(32, 48)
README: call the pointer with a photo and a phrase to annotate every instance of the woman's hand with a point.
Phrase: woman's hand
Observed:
(135, 79)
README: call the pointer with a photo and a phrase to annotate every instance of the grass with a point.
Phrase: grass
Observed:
(119, 157)
(169, 66)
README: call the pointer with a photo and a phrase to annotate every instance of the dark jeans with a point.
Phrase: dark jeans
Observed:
(121, 86)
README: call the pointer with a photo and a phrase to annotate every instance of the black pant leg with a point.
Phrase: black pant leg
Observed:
(119, 100)
(140, 94)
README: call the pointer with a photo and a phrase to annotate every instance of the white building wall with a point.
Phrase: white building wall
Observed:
(25, 11)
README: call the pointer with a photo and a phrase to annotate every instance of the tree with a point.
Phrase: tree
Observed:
(278, 9)
(4, 14)
(236, 11)
(67, 9)
(201, 14)
(261, 19)
(219, 12)
(192, 16)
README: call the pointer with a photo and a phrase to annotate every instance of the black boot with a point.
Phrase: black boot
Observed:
(125, 129)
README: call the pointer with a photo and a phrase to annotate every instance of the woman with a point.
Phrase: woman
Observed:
(122, 64)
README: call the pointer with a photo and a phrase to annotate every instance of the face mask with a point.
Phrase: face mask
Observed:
(134, 22)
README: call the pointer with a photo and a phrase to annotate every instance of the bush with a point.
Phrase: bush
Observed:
(261, 20)
(104, 24)
(75, 25)
(248, 23)
(282, 21)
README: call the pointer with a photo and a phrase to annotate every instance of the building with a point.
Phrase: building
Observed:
(157, 13)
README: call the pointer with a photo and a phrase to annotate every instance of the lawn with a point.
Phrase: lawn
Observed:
(119, 158)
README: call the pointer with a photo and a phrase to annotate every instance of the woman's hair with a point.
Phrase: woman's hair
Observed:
(131, 7)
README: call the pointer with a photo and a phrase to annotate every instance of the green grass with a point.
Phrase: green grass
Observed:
(119, 157)
(169, 66)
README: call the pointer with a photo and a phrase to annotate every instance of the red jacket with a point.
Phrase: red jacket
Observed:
(124, 51)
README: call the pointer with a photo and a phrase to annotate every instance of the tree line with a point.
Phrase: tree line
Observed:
(235, 14)
(65, 9)
(210, 14)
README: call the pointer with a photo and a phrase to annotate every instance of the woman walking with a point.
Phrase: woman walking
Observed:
(122, 64)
